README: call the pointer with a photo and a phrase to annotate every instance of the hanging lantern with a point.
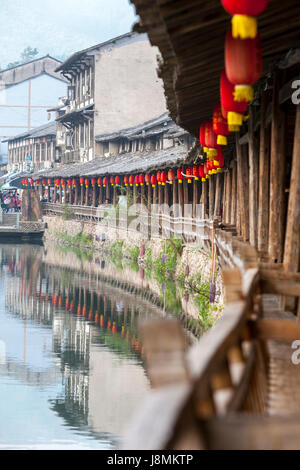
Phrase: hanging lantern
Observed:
(148, 179)
(81, 182)
(49, 182)
(211, 140)
(31, 182)
(69, 184)
(235, 109)
(203, 132)
(220, 126)
(87, 183)
(243, 64)
(205, 169)
(244, 22)
(117, 180)
(158, 177)
(62, 183)
(131, 180)
(219, 160)
(137, 180)
(153, 181)
(126, 181)
(112, 180)
(179, 175)
(142, 180)
(196, 172)
(93, 182)
(37, 183)
(163, 178)
(188, 172)
(43, 182)
(171, 176)
(201, 173)
(105, 182)
(74, 183)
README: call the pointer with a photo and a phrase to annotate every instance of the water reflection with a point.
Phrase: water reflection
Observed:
(71, 361)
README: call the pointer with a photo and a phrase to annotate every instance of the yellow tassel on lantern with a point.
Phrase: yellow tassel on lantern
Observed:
(212, 153)
(235, 119)
(243, 93)
(205, 149)
(216, 163)
(219, 170)
(244, 27)
(234, 128)
(203, 180)
(222, 140)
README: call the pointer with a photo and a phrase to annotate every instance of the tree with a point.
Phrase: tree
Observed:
(27, 55)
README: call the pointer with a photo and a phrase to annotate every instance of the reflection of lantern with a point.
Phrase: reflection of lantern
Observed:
(131, 180)
(31, 182)
(158, 177)
(235, 109)
(179, 175)
(105, 181)
(87, 183)
(243, 63)
(112, 180)
(102, 321)
(37, 183)
(189, 173)
(196, 172)
(117, 180)
(137, 180)
(153, 181)
(220, 126)
(148, 179)
(244, 22)
(99, 182)
(171, 176)
(44, 182)
(81, 182)
(49, 182)
(163, 178)
(93, 182)
(126, 181)
(142, 180)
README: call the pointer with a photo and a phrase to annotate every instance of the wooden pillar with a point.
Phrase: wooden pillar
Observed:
(166, 197)
(218, 195)
(108, 191)
(195, 197)
(243, 187)
(114, 195)
(49, 194)
(143, 194)
(149, 198)
(87, 191)
(94, 199)
(76, 195)
(134, 194)
(205, 187)
(292, 239)
(211, 197)
(233, 195)
(264, 179)
(253, 181)
(155, 194)
(185, 196)
(100, 200)
(277, 177)
(227, 214)
(180, 196)
(82, 195)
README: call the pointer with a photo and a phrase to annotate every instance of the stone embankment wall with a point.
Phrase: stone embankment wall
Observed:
(197, 260)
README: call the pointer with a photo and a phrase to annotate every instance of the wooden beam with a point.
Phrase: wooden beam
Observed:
(264, 179)
(276, 330)
(253, 181)
(277, 177)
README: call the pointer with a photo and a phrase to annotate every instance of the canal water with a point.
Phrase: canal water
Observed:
(72, 369)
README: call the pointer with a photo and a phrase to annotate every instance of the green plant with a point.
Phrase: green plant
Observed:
(67, 213)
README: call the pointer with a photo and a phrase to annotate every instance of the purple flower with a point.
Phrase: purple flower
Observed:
(163, 287)
(164, 259)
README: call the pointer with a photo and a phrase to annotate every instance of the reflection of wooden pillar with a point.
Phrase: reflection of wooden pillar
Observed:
(277, 177)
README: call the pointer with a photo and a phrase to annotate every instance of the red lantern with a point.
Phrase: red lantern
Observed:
(158, 177)
(126, 181)
(235, 109)
(112, 180)
(201, 173)
(93, 182)
(211, 140)
(62, 183)
(196, 172)
(220, 126)
(81, 182)
(87, 183)
(163, 178)
(244, 23)
(137, 180)
(153, 181)
(49, 182)
(219, 160)
(243, 63)
(31, 182)
(105, 182)
(189, 173)
(99, 182)
(37, 183)
(74, 183)
(205, 169)
(203, 133)
(142, 180)
(179, 175)
(117, 180)
(171, 176)
(69, 184)
(148, 179)
(44, 182)
(131, 180)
